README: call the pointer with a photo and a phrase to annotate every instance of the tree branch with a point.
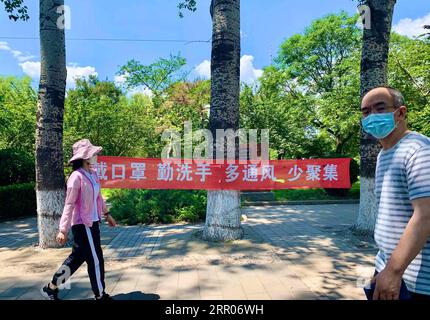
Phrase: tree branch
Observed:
(417, 85)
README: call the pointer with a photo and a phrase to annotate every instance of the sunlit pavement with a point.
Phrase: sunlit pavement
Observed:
(288, 252)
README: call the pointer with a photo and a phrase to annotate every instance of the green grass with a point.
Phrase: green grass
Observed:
(315, 194)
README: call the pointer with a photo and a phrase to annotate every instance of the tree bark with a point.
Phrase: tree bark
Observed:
(50, 182)
(223, 206)
(374, 63)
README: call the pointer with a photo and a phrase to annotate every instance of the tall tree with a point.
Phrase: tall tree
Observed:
(99, 110)
(50, 183)
(156, 77)
(18, 113)
(223, 207)
(308, 96)
(374, 62)
(12, 89)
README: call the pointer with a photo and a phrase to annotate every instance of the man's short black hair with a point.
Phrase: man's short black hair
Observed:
(398, 99)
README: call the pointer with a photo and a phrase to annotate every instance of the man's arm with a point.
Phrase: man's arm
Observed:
(414, 238)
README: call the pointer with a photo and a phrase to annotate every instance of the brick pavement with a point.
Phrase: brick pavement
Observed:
(288, 252)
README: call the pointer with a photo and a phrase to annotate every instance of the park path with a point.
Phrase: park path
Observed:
(288, 252)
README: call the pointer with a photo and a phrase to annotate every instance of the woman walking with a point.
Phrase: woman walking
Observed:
(82, 213)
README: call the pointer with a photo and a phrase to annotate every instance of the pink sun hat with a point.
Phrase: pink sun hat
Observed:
(84, 149)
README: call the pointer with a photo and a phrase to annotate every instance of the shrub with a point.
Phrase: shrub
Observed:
(16, 167)
(17, 200)
(157, 206)
(187, 214)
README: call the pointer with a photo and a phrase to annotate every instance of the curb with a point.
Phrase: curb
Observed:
(295, 203)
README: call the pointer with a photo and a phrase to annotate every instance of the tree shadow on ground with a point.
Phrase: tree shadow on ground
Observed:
(14, 234)
(313, 241)
(320, 240)
(316, 241)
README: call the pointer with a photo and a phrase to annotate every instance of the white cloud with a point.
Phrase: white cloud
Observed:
(21, 57)
(412, 28)
(74, 72)
(16, 53)
(248, 73)
(120, 80)
(141, 90)
(32, 69)
(4, 46)
(203, 70)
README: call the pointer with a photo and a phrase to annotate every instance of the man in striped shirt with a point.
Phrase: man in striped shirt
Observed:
(402, 186)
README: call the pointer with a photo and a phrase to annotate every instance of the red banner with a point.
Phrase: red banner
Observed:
(150, 173)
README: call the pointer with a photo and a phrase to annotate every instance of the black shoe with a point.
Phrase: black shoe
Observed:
(104, 297)
(49, 294)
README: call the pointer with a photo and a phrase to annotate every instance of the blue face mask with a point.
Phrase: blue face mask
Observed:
(379, 125)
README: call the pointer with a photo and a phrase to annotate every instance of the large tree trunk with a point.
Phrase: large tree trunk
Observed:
(374, 64)
(50, 184)
(223, 206)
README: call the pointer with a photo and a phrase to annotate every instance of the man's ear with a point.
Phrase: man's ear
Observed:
(403, 111)
(400, 113)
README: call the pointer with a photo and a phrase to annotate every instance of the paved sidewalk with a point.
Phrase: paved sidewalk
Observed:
(288, 252)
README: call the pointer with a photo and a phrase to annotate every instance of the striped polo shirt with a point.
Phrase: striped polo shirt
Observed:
(402, 175)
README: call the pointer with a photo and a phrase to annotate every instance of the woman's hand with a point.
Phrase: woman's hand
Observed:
(111, 221)
(61, 238)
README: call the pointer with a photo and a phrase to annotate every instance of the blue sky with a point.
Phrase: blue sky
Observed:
(264, 27)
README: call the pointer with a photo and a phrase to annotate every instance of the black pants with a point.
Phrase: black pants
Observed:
(86, 248)
(419, 296)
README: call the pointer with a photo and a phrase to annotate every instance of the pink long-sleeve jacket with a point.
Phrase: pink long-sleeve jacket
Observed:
(80, 201)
